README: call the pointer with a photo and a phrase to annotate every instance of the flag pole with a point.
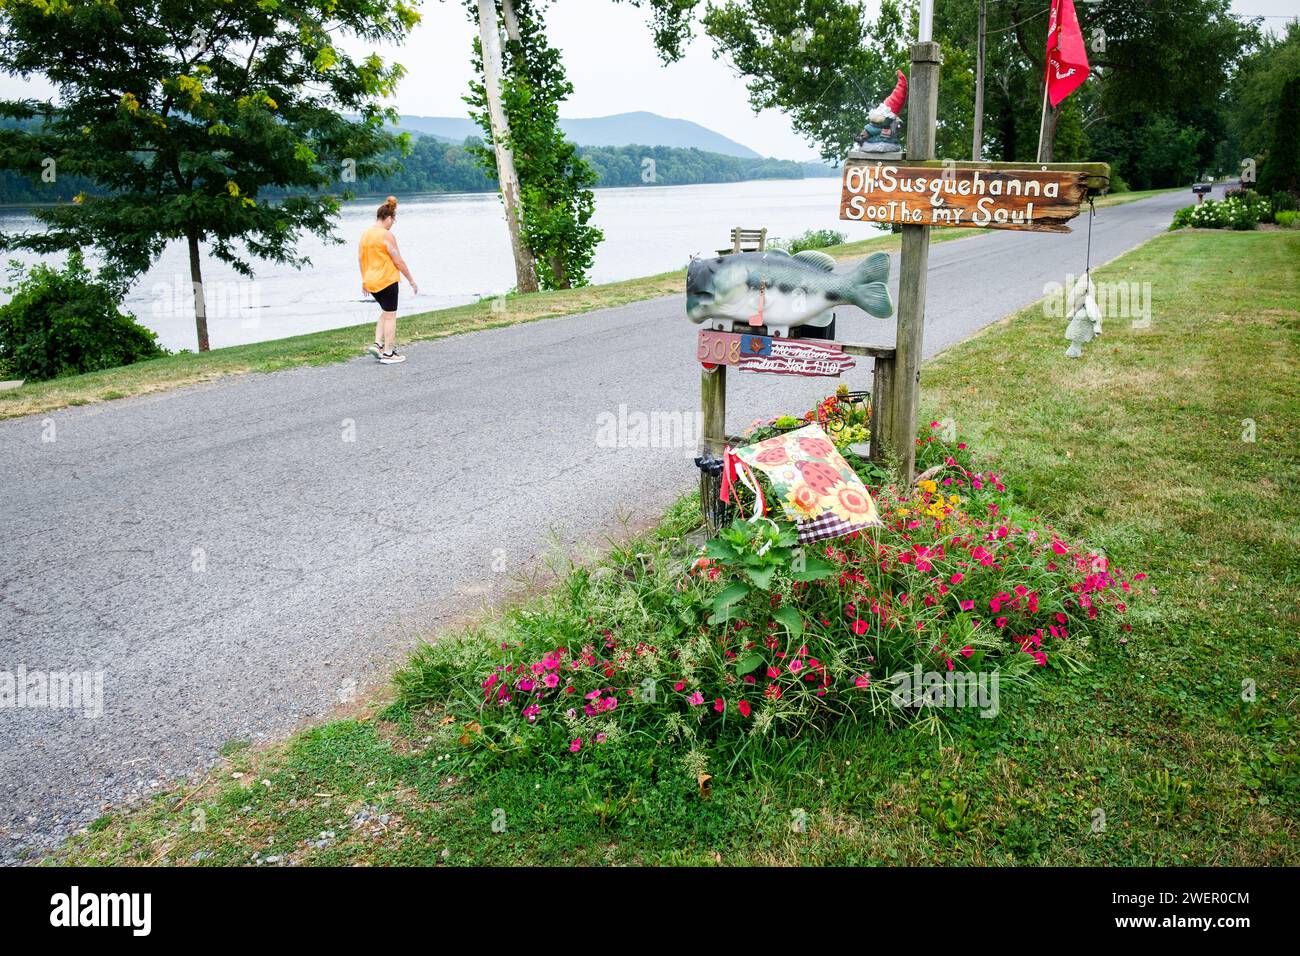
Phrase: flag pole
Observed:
(977, 131)
(1042, 122)
(1047, 67)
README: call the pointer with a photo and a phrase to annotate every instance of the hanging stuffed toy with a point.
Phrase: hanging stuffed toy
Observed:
(1085, 317)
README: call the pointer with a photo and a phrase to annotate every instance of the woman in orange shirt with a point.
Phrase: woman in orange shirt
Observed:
(380, 264)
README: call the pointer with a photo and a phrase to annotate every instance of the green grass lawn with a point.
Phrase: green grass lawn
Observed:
(339, 345)
(1150, 755)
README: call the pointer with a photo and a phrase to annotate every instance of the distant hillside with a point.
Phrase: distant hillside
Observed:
(622, 129)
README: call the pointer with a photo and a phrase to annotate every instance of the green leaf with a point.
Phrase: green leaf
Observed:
(791, 618)
(726, 598)
(762, 577)
(814, 569)
(717, 548)
(747, 662)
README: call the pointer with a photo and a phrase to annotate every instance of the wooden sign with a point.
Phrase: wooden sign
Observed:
(763, 353)
(961, 195)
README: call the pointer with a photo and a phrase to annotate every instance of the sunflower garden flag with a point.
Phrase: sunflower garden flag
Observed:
(816, 487)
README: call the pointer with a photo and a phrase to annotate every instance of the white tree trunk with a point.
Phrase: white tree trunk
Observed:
(490, 39)
(511, 21)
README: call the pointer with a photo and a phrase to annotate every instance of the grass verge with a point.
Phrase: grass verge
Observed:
(339, 345)
(1168, 446)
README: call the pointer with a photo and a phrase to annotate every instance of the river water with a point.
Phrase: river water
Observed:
(457, 248)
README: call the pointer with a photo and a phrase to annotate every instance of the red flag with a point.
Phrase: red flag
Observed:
(1067, 60)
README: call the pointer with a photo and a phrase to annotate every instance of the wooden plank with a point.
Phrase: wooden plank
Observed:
(807, 357)
(764, 353)
(870, 351)
(708, 349)
(916, 194)
(1098, 173)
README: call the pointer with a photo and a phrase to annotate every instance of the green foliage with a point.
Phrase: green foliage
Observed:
(1255, 97)
(554, 180)
(431, 165)
(708, 653)
(820, 63)
(1241, 209)
(1288, 219)
(1280, 172)
(186, 115)
(63, 322)
(1153, 152)
(435, 165)
(812, 239)
(675, 166)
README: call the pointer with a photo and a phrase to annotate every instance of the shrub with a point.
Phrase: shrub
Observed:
(758, 636)
(1182, 218)
(64, 322)
(1243, 209)
(1288, 219)
(812, 239)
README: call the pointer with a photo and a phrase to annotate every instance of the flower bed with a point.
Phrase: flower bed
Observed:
(758, 635)
(1242, 210)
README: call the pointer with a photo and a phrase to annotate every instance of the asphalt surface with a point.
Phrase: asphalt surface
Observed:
(243, 557)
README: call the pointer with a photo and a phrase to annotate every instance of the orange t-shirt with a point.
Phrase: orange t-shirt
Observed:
(377, 269)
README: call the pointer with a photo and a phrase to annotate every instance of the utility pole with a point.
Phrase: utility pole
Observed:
(977, 137)
(490, 41)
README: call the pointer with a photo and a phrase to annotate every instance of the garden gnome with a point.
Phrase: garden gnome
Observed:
(883, 136)
(1085, 317)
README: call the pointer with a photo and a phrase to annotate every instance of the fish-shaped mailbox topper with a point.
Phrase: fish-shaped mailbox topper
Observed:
(782, 291)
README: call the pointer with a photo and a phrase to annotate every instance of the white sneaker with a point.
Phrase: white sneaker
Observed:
(391, 358)
(374, 348)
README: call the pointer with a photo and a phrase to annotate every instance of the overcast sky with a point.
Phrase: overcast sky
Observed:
(614, 69)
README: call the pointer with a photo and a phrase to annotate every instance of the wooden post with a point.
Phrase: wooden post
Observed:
(914, 261)
(713, 440)
(882, 390)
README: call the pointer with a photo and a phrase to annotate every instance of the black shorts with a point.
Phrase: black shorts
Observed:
(387, 298)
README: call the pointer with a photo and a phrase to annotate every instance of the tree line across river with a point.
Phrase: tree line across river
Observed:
(437, 165)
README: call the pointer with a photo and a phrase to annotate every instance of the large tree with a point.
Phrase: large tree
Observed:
(555, 201)
(184, 112)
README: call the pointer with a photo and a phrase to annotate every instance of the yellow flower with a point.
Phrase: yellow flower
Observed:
(928, 486)
(803, 502)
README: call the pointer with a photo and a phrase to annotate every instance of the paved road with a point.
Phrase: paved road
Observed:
(242, 557)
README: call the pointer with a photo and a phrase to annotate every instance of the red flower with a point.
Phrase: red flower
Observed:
(743, 707)
(719, 705)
